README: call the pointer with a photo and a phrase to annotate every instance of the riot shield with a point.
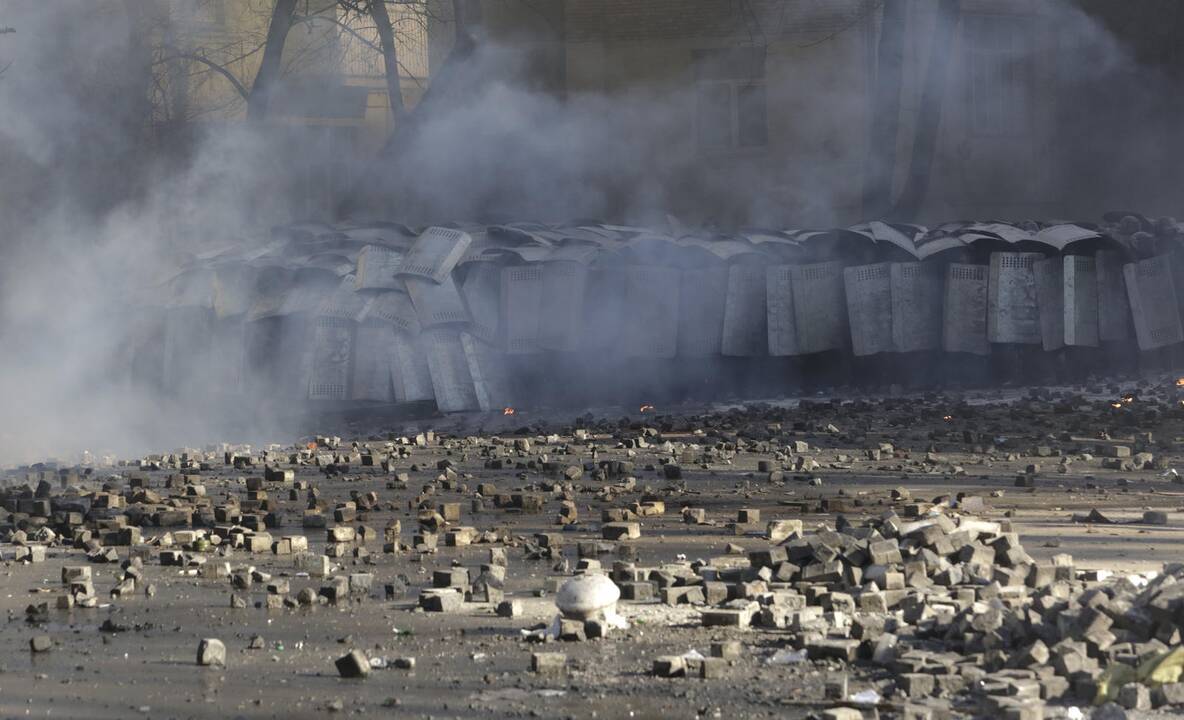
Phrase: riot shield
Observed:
(869, 308)
(964, 317)
(745, 327)
(916, 306)
(1013, 311)
(820, 306)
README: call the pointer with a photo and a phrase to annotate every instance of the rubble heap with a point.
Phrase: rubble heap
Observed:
(929, 607)
(952, 606)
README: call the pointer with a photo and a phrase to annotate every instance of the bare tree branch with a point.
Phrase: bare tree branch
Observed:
(197, 57)
(360, 38)
(338, 23)
(237, 58)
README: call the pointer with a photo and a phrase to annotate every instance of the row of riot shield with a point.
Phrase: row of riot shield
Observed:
(388, 326)
(1018, 298)
(405, 333)
(779, 310)
(455, 316)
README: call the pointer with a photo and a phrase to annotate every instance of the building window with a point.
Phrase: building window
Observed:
(731, 107)
(1000, 74)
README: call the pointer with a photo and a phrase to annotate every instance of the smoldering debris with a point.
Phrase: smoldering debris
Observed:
(484, 318)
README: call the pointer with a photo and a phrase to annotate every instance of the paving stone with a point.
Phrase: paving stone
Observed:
(669, 666)
(443, 600)
(353, 664)
(621, 531)
(211, 651)
(548, 664)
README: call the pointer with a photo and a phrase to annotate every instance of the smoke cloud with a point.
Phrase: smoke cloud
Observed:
(98, 211)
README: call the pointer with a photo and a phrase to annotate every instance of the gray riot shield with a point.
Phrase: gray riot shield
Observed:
(702, 296)
(1080, 274)
(1013, 312)
(409, 370)
(562, 309)
(916, 306)
(373, 354)
(964, 317)
(604, 312)
(1114, 308)
(1050, 300)
(488, 371)
(651, 321)
(451, 381)
(783, 331)
(1152, 295)
(745, 328)
(481, 291)
(434, 253)
(393, 308)
(377, 266)
(869, 308)
(820, 306)
(233, 290)
(331, 358)
(341, 302)
(437, 304)
(522, 296)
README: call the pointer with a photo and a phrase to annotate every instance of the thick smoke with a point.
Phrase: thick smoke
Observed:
(96, 215)
(1044, 115)
(97, 211)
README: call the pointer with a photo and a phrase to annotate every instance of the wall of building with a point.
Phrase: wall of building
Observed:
(1036, 95)
(814, 59)
(996, 152)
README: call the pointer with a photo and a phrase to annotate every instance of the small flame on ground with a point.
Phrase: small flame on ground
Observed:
(1128, 399)
(1180, 382)
(509, 411)
(646, 408)
(311, 446)
(947, 418)
(1116, 405)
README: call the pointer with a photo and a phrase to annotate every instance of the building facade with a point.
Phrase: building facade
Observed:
(760, 109)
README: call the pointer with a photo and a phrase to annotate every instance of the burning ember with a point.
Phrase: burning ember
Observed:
(1128, 399)
(947, 418)
(1116, 405)
(1180, 382)
(646, 408)
(509, 411)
